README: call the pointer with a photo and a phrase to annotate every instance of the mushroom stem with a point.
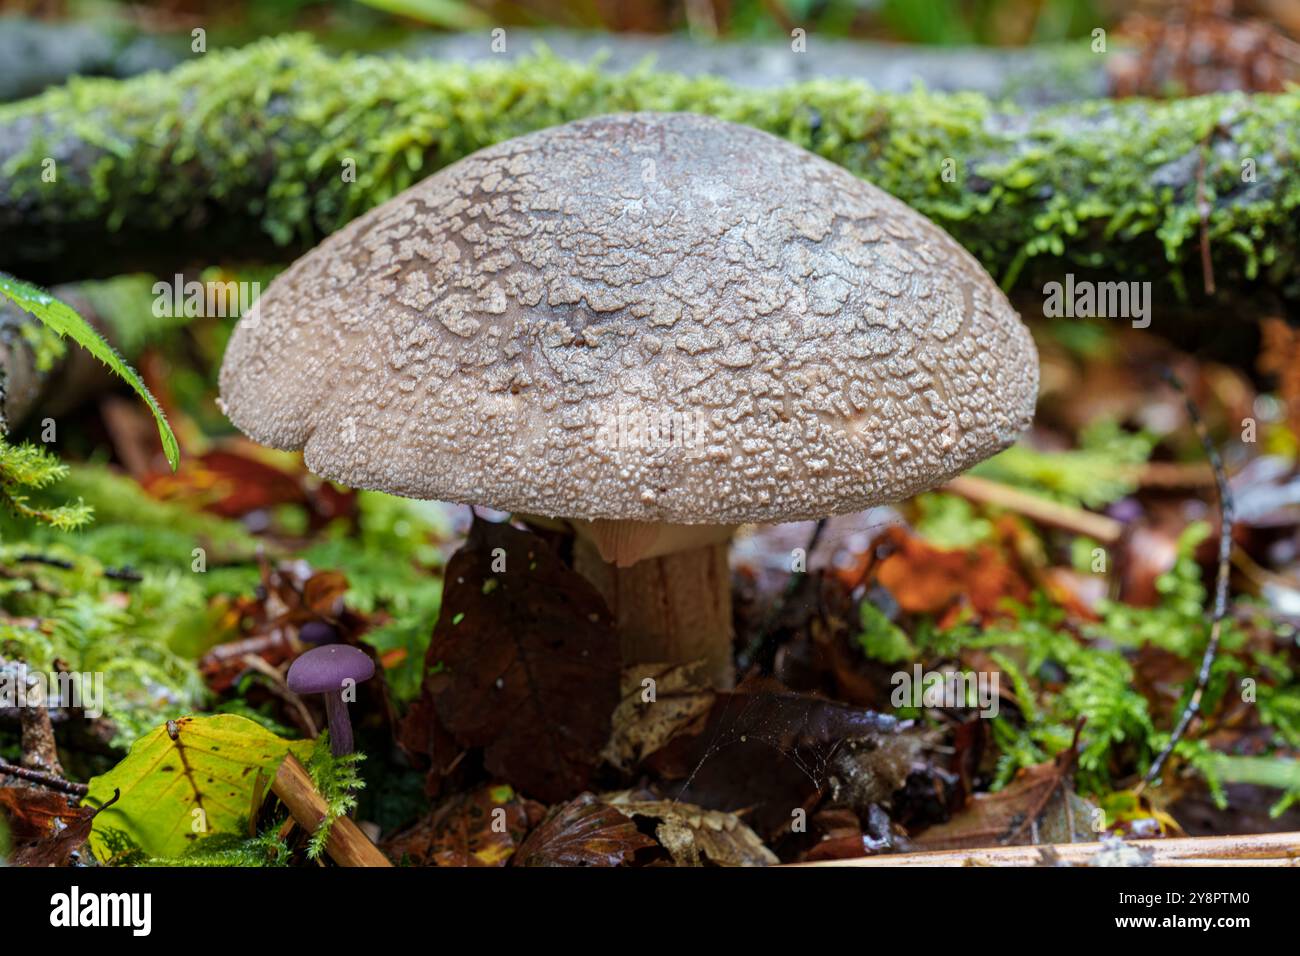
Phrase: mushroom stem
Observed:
(340, 723)
(673, 608)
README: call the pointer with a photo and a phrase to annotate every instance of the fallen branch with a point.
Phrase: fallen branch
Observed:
(49, 780)
(1265, 849)
(347, 845)
(259, 152)
(1044, 511)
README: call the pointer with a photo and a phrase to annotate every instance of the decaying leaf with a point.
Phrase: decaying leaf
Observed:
(43, 829)
(659, 701)
(292, 595)
(524, 662)
(1039, 806)
(764, 749)
(694, 836)
(189, 778)
(481, 828)
(929, 580)
(868, 770)
(583, 832)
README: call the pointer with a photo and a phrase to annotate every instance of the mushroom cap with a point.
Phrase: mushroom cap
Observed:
(652, 316)
(324, 669)
(317, 632)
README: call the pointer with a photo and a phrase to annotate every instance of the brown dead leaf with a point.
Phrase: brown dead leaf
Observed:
(582, 832)
(43, 829)
(1039, 806)
(240, 478)
(929, 580)
(524, 662)
(482, 828)
(651, 714)
(291, 595)
(765, 749)
(422, 736)
(694, 836)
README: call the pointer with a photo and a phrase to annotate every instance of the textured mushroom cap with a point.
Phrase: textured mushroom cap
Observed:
(661, 317)
(324, 669)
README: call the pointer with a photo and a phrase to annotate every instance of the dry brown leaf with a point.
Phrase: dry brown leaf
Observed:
(524, 662)
(642, 725)
(694, 836)
(1039, 806)
(43, 829)
(583, 832)
(482, 828)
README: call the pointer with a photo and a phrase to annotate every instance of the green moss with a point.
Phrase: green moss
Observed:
(262, 133)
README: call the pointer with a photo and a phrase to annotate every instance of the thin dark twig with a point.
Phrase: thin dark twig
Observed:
(124, 573)
(51, 780)
(1221, 580)
(46, 560)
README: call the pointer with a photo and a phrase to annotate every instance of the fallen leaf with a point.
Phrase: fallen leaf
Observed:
(43, 829)
(1038, 806)
(191, 777)
(929, 580)
(583, 832)
(481, 828)
(651, 714)
(524, 662)
(694, 836)
(765, 749)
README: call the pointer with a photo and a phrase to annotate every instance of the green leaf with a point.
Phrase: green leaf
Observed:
(62, 319)
(448, 14)
(208, 764)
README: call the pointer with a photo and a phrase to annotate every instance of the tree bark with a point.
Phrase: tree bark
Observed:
(672, 609)
(35, 54)
(250, 154)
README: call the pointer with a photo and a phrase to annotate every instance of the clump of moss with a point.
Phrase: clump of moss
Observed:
(267, 134)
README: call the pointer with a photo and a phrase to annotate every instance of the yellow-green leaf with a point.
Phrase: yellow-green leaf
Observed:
(190, 778)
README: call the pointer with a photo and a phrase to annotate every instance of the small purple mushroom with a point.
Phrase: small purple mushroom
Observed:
(330, 670)
(317, 632)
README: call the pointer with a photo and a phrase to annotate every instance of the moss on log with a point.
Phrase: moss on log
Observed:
(245, 154)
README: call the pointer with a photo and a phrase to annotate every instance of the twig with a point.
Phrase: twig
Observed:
(46, 560)
(1053, 514)
(1264, 849)
(347, 845)
(1220, 583)
(50, 780)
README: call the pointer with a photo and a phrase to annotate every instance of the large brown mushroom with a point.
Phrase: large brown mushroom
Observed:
(655, 327)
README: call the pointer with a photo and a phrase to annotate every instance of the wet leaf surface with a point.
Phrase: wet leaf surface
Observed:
(481, 828)
(583, 832)
(44, 830)
(524, 662)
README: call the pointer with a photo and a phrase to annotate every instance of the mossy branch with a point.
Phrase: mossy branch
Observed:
(247, 154)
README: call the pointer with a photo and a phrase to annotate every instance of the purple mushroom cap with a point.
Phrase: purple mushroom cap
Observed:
(325, 668)
(317, 632)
